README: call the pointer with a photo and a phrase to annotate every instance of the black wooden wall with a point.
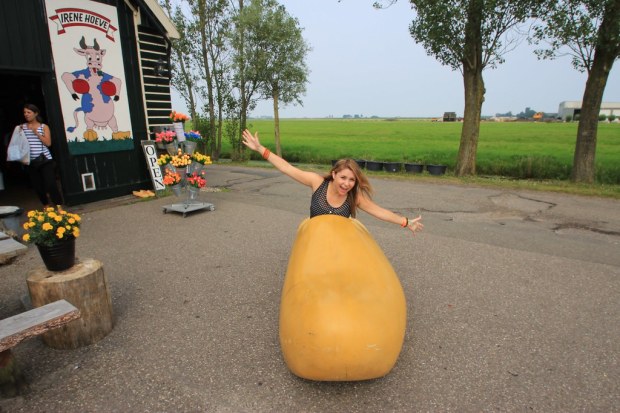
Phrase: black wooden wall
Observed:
(25, 48)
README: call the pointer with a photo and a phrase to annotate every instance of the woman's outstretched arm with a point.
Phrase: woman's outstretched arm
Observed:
(368, 206)
(310, 179)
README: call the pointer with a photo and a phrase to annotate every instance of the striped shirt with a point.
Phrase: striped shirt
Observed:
(36, 146)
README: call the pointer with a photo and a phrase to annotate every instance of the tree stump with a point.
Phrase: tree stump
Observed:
(85, 286)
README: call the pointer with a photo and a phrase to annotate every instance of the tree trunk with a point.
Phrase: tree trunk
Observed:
(474, 91)
(276, 118)
(85, 286)
(605, 54)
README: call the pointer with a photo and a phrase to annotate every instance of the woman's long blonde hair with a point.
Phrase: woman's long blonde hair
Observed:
(361, 187)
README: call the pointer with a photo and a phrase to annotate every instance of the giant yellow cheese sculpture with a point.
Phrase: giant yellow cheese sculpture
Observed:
(343, 311)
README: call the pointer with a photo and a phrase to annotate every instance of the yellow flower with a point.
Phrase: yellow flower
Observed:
(40, 218)
(58, 218)
(26, 225)
(32, 224)
(31, 214)
(47, 226)
(71, 221)
(51, 215)
(76, 232)
(26, 237)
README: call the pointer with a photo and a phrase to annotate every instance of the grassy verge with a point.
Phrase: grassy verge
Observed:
(550, 185)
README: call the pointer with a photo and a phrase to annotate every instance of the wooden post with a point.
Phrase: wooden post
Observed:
(85, 286)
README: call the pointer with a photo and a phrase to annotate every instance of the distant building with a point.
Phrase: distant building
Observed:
(449, 117)
(573, 108)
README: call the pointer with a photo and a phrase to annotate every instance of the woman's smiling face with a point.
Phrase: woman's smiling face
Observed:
(344, 180)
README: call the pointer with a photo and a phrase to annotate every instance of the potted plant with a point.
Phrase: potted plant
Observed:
(414, 167)
(53, 230)
(194, 182)
(392, 166)
(181, 161)
(198, 162)
(164, 162)
(178, 121)
(361, 163)
(168, 139)
(191, 140)
(172, 180)
(436, 169)
(374, 166)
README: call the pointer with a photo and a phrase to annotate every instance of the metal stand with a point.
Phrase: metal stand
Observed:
(187, 207)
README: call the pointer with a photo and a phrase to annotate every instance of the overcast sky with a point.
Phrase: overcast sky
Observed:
(364, 61)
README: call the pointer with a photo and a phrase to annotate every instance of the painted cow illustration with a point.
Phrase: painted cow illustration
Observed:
(99, 91)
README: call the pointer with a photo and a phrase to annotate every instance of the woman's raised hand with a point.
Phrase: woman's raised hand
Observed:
(251, 141)
(415, 224)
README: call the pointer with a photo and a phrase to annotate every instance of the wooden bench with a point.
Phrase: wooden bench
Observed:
(14, 330)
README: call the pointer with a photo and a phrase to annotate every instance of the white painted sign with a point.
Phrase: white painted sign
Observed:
(90, 72)
(150, 152)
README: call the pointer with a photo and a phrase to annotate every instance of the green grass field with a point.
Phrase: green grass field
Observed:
(521, 150)
(523, 155)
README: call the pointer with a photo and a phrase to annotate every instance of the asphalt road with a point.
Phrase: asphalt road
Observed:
(513, 304)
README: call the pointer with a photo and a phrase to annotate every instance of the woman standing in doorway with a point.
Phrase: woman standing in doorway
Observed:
(41, 168)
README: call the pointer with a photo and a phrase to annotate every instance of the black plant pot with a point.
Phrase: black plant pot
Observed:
(374, 166)
(436, 169)
(392, 166)
(361, 163)
(58, 257)
(414, 168)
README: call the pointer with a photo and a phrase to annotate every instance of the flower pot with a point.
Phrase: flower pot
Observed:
(415, 168)
(436, 169)
(172, 148)
(195, 168)
(193, 192)
(374, 166)
(361, 163)
(58, 257)
(189, 147)
(392, 166)
(160, 145)
(179, 129)
(176, 189)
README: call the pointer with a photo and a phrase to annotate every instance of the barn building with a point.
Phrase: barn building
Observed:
(573, 108)
(98, 71)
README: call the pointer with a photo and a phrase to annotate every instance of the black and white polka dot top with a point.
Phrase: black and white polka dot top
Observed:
(320, 206)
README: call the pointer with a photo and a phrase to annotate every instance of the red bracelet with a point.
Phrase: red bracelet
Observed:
(266, 154)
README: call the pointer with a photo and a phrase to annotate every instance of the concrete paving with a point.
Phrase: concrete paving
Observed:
(513, 304)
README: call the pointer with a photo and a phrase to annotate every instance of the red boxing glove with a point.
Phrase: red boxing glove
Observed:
(108, 88)
(80, 86)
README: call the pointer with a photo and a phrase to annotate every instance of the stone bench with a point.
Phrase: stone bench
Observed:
(15, 329)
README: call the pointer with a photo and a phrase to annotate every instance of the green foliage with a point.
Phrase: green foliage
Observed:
(441, 28)
(569, 27)
(524, 150)
(602, 117)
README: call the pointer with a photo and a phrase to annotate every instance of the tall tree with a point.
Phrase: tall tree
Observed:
(469, 36)
(212, 20)
(278, 51)
(588, 31)
(183, 78)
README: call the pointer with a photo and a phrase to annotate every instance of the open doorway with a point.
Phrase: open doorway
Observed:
(17, 89)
